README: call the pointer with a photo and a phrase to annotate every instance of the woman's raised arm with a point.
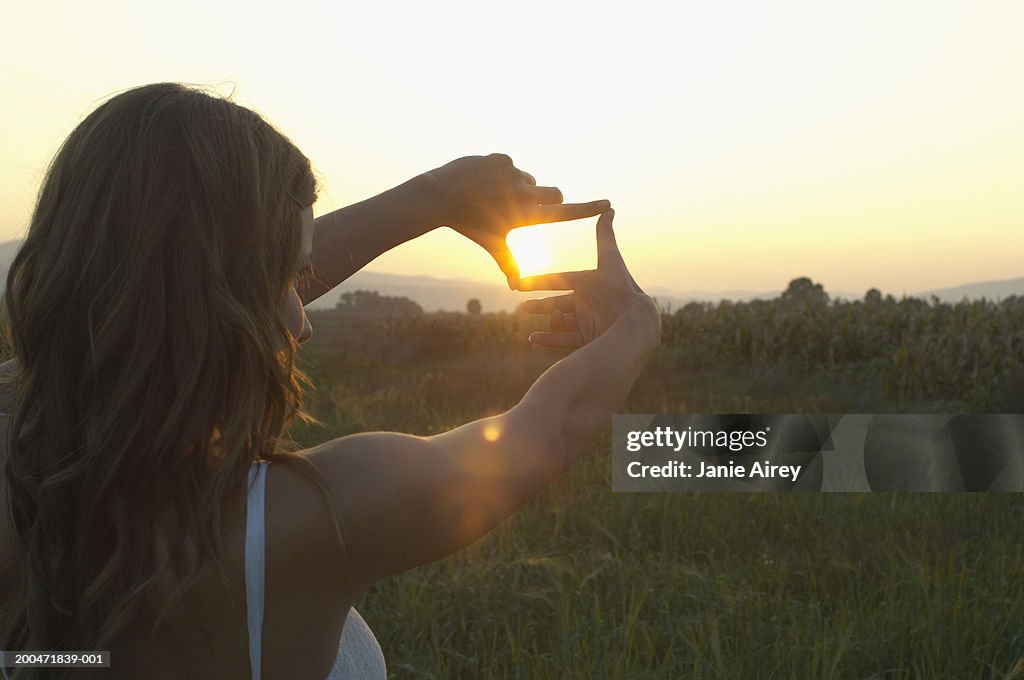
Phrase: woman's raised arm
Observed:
(481, 197)
(406, 500)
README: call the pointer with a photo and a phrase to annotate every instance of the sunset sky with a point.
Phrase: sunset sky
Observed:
(742, 144)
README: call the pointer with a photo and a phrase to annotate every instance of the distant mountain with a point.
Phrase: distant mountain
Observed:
(8, 249)
(452, 294)
(431, 293)
(990, 290)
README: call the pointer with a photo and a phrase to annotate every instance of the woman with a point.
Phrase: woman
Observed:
(154, 312)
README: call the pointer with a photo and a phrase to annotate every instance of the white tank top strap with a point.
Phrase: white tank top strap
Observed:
(255, 563)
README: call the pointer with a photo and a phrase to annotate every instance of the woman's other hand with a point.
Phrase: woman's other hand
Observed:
(599, 298)
(484, 197)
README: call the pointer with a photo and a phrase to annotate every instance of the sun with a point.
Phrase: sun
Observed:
(531, 250)
(557, 247)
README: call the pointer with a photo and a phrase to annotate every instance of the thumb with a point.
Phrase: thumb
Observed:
(507, 263)
(607, 247)
(609, 258)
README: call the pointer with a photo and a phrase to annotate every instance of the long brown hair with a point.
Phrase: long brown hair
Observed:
(154, 360)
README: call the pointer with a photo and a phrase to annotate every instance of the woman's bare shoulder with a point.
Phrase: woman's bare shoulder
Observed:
(299, 522)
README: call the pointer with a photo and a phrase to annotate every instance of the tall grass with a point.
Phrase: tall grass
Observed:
(586, 583)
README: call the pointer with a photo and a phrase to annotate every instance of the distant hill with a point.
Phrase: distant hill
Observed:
(8, 249)
(431, 293)
(990, 290)
(452, 294)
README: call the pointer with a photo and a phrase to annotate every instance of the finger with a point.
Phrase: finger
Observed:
(607, 247)
(562, 212)
(528, 178)
(609, 257)
(564, 340)
(562, 281)
(563, 321)
(499, 159)
(542, 195)
(565, 303)
(507, 263)
(497, 248)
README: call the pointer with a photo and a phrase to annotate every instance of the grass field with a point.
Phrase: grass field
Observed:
(586, 583)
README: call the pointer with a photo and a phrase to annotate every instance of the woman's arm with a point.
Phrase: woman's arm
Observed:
(481, 197)
(347, 239)
(405, 500)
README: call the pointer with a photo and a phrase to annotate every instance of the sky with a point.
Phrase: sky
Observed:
(742, 144)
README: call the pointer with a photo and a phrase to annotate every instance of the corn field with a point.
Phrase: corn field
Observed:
(968, 354)
(907, 354)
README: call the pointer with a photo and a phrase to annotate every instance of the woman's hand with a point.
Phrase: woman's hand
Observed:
(599, 299)
(483, 197)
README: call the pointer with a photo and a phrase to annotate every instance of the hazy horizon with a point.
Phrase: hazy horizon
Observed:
(742, 145)
(495, 287)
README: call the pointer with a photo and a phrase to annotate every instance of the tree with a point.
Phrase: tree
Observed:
(372, 302)
(805, 290)
(474, 307)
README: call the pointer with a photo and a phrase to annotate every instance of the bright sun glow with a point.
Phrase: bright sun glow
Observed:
(557, 247)
(530, 248)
